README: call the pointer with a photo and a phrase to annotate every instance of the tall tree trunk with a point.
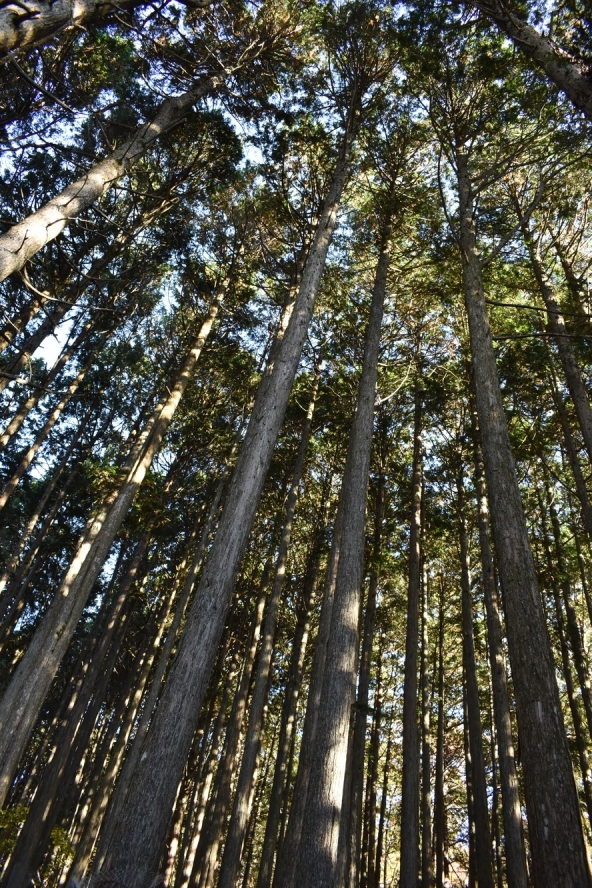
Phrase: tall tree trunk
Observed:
(426, 794)
(353, 825)
(380, 843)
(511, 809)
(573, 629)
(25, 694)
(288, 719)
(211, 838)
(570, 448)
(483, 861)
(582, 740)
(555, 831)
(439, 789)
(286, 870)
(410, 777)
(573, 376)
(237, 829)
(204, 783)
(152, 793)
(317, 852)
(73, 736)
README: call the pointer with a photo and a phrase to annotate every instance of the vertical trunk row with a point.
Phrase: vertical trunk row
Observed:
(317, 851)
(353, 826)
(483, 861)
(558, 849)
(240, 815)
(410, 779)
(511, 809)
(154, 785)
(26, 692)
(426, 794)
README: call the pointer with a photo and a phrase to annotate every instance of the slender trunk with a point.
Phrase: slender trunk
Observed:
(426, 794)
(581, 563)
(152, 793)
(582, 741)
(495, 825)
(511, 809)
(439, 789)
(202, 792)
(237, 829)
(382, 816)
(573, 629)
(410, 777)
(286, 872)
(73, 737)
(483, 861)
(50, 422)
(469, 788)
(26, 692)
(21, 414)
(374, 752)
(207, 853)
(12, 563)
(118, 801)
(555, 830)
(571, 450)
(573, 376)
(292, 692)
(317, 852)
(353, 825)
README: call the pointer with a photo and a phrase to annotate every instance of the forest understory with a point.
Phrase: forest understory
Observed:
(295, 444)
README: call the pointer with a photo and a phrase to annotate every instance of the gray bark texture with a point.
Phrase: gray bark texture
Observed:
(318, 849)
(483, 858)
(286, 869)
(152, 793)
(237, 830)
(26, 238)
(353, 827)
(511, 810)
(410, 776)
(558, 850)
(571, 75)
(292, 693)
(24, 696)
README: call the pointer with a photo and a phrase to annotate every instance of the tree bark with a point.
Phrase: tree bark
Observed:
(152, 793)
(573, 377)
(410, 776)
(440, 831)
(207, 853)
(292, 692)
(237, 829)
(286, 870)
(511, 809)
(23, 240)
(482, 860)
(354, 822)
(317, 852)
(557, 842)
(427, 856)
(25, 694)
(571, 75)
